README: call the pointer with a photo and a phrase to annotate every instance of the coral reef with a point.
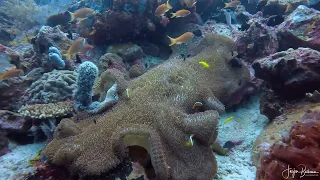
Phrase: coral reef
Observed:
(271, 105)
(107, 79)
(158, 116)
(295, 31)
(87, 74)
(55, 58)
(279, 7)
(11, 92)
(50, 110)
(299, 151)
(3, 143)
(51, 36)
(54, 86)
(13, 123)
(258, 41)
(111, 60)
(136, 70)
(117, 26)
(128, 51)
(291, 73)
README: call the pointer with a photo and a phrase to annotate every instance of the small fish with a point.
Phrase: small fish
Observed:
(127, 93)
(232, 4)
(78, 59)
(197, 105)
(309, 28)
(81, 13)
(92, 32)
(289, 8)
(250, 46)
(190, 141)
(189, 3)
(94, 121)
(76, 47)
(162, 9)
(180, 13)
(69, 35)
(184, 38)
(10, 74)
(227, 120)
(204, 64)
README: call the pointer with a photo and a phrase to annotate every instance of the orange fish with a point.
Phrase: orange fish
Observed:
(81, 13)
(76, 47)
(184, 38)
(289, 8)
(180, 13)
(309, 28)
(232, 4)
(10, 74)
(162, 9)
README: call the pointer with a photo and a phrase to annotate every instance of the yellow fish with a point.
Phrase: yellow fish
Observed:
(183, 39)
(190, 141)
(197, 105)
(81, 13)
(232, 4)
(227, 120)
(204, 64)
(309, 28)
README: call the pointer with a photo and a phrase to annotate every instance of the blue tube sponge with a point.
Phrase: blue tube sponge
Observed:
(54, 50)
(87, 73)
(56, 60)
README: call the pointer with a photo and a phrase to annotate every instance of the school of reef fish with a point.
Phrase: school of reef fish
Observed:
(133, 89)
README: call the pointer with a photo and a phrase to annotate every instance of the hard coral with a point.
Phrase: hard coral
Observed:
(158, 116)
(51, 110)
(54, 86)
(301, 152)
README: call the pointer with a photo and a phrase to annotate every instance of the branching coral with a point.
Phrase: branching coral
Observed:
(54, 86)
(158, 116)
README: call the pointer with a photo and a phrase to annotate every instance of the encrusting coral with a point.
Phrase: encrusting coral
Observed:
(54, 86)
(158, 116)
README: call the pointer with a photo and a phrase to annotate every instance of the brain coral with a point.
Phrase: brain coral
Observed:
(54, 86)
(158, 116)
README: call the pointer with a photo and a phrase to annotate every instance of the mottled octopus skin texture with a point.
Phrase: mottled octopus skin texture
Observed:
(158, 116)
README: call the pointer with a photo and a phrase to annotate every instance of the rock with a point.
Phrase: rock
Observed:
(111, 60)
(12, 123)
(5, 36)
(271, 106)
(3, 143)
(149, 48)
(128, 51)
(291, 73)
(294, 32)
(298, 150)
(258, 41)
(10, 94)
(51, 36)
(279, 7)
(137, 70)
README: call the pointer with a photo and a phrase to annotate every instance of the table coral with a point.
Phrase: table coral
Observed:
(51, 110)
(54, 86)
(158, 116)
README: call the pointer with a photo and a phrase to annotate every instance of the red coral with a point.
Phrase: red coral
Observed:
(301, 153)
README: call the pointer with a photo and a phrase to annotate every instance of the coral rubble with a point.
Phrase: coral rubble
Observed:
(158, 116)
